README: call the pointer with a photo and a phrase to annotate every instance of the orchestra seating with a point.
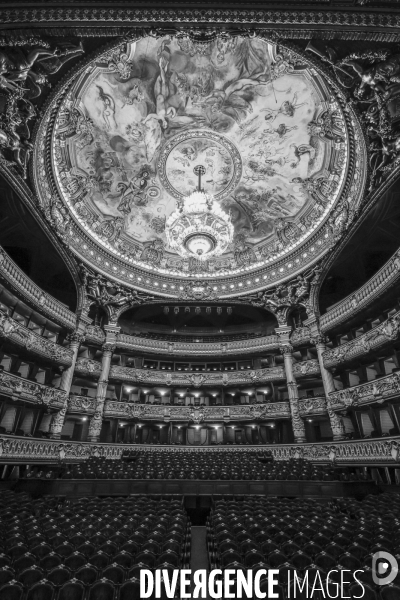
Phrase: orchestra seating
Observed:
(307, 535)
(89, 548)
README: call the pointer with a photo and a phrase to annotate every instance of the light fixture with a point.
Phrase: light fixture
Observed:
(199, 228)
(84, 418)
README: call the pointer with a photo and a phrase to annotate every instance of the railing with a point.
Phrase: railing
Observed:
(363, 452)
(386, 332)
(36, 344)
(18, 388)
(357, 301)
(366, 393)
(138, 344)
(212, 378)
(130, 410)
(87, 366)
(33, 295)
(95, 334)
(312, 406)
(197, 414)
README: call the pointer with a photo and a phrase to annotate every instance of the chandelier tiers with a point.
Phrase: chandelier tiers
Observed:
(199, 228)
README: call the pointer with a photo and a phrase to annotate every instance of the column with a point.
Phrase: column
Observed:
(329, 386)
(57, 423)
(297, 422)
(108, 348)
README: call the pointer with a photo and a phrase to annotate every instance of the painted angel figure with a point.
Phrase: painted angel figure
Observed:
(287, 108)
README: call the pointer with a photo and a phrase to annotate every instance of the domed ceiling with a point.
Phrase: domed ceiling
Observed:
(257, 128)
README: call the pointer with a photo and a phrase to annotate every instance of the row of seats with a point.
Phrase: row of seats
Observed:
(216, 466)
(86, 547)
(307, 535)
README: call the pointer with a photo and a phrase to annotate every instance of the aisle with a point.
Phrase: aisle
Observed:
(199, 555)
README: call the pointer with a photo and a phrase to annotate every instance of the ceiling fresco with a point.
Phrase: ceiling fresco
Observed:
(267, 129)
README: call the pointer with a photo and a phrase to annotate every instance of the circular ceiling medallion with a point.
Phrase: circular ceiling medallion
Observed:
(216, 152)
(126, 133)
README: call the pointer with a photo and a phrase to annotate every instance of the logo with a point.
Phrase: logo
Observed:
(384, 568)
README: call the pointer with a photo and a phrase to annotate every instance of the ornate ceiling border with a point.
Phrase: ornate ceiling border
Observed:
(265, 277)
(316, 17)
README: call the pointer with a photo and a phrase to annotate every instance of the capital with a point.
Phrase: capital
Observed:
(108, 347)
(286, 349)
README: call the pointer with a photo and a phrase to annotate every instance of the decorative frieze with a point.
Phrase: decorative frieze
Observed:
(388, 275)
(301, 335)
(126, 410)
(87, 366)
(306, 367)
(81, 404)
(138, 344)
(386, 332)
(34, 343)
(312, 406)
(174, 378)
(95, 335)
(17, 388)
(378, 451)
(366, 393)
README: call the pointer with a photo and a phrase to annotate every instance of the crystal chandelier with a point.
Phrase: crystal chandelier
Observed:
(199, 227)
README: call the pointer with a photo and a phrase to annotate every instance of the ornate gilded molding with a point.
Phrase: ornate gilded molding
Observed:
(356, 302)
(349, 20)
(95, 335)
(87, 366)
(312, 406)
(362, 452)
(367, 393)
(36, 344)
(174, 378)
(197, 414)
(379, 336)
(81, 404)
(306, 367)
(33, 295)
(17, 388)
(222, 349)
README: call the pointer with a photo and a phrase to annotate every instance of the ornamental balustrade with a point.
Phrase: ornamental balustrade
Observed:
(363, 452)
(17, 388)
(33, 295)
(306, 367)
(141, 344)
(95, 334)
(117, 409)
(81, 404)
(388, 275)
(36, 344)
(386, 332)
(158, 377)
(197, 414)
(367, 393)
(312, 406)
(87, 366)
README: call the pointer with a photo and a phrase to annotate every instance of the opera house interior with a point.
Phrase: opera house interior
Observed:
(198, 373)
